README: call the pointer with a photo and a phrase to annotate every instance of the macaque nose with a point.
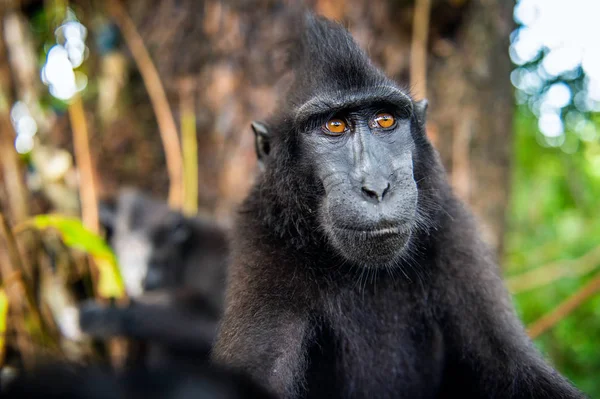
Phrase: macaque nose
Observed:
(375, 190)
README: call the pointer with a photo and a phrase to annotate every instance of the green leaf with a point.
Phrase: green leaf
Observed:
(75, 235)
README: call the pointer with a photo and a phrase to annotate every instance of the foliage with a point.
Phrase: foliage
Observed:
(76, 236)
(553, 216)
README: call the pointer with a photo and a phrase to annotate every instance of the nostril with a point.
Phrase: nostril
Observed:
(385, 190)
(375, 192)
(370, 193)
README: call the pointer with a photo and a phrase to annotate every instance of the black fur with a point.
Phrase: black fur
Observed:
(169, 327)
(64, 381)
(413, 304)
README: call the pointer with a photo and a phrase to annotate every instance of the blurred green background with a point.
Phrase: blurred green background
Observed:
(553, 222)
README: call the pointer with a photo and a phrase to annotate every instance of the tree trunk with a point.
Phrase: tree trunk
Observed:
(471, 111)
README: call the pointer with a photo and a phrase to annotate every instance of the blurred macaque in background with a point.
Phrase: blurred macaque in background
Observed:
(173, 267)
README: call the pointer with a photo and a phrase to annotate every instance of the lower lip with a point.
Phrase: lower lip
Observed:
(378, 232)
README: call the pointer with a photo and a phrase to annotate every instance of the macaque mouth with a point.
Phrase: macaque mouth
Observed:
(376, 232)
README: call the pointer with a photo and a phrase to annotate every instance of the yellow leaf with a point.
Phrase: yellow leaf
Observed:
(3, 322)
(110, 284)
(75, 235)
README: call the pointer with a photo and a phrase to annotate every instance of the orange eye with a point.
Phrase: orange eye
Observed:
(336, 126)
(384, 120)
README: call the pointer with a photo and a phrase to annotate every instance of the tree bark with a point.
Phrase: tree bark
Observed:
(472, 109)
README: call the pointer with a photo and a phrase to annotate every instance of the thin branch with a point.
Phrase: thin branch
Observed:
(12, 170)
(12, 251)
(190, 146)
(418, 52)
(19, 296)
(87, 185)
(545, 275)
(461, 157)
(548, 321)
(11, 167)
(16, 261)
(160, 104)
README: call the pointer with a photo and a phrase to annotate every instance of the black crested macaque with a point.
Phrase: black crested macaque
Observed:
(158, 247)
(174, 270)
(356, 272)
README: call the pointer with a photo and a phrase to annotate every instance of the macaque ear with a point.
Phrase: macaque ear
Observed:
(262, 142)
(421, 110)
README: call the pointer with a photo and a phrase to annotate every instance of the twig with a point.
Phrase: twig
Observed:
(14, 257)
(87, 186)
(22, 56)
(418, 51)
(190, 146)
(12, 250)
(547, 321)
(19, 295)
(160, 104)
(461, 160)
(12, 170)
(544, 275)
(11, 167)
